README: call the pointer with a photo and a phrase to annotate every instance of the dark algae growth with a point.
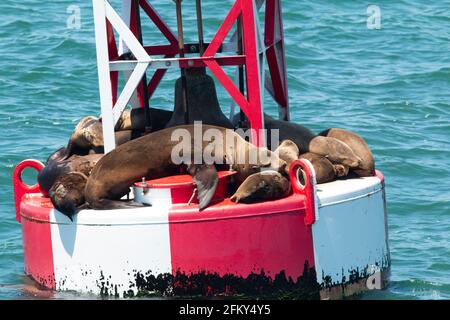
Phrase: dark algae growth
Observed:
(212, 285)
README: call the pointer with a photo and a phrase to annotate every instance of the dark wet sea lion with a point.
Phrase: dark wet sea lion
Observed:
(150, 156)
(324, 169)
(202, 99)
(265, 185)
(67, 193)
(134, 119)
(57, 167)
(359, 147)
(58, 155)
(289, 130)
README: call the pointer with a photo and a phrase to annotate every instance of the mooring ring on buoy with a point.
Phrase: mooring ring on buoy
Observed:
(300, 174)
(20, 187)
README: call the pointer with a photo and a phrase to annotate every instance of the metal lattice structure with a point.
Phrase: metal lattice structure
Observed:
(248, 49)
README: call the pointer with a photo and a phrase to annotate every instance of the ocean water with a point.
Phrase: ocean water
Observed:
(391, 85)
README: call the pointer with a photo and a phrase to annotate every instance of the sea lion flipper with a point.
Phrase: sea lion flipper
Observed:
(206, 179)
(341, 170)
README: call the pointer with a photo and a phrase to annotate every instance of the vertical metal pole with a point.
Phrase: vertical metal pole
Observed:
(101, 41)
(143, 84)
(123, 48)
(201, 43)
(253, 71)
(242, 117)
(181, 52)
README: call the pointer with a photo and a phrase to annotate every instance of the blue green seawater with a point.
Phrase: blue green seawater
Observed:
(391, 85)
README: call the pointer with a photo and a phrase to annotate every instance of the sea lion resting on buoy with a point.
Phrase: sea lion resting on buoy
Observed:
(324, 169)
(309, 142)
(359, 146)
(87, 136)
(134, 119)
(150, 156)
(80, 155)
(84, 149)
(268, 185)
(67, 192)
(57, 165)
(335, 150)
(272, 185)
(265, 185)
(288, 151)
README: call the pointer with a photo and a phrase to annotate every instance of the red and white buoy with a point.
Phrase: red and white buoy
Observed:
(334, 233)
(327, 240)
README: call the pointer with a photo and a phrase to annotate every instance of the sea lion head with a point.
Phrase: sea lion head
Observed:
(55, 169)
(87, 134)
(288, 151)
(67, 193)
(265, 185)
(47, 176)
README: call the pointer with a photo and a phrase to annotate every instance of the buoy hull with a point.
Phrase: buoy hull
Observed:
(173, 249)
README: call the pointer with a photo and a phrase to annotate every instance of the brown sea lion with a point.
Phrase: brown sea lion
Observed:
(288, 151)
(67, 193)
(87, 136)
(150, 156)
(57, 167)
(359, 146)
(81, 140)
(306, 141)
(336, 151)
(325, 170)
(265, 185)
